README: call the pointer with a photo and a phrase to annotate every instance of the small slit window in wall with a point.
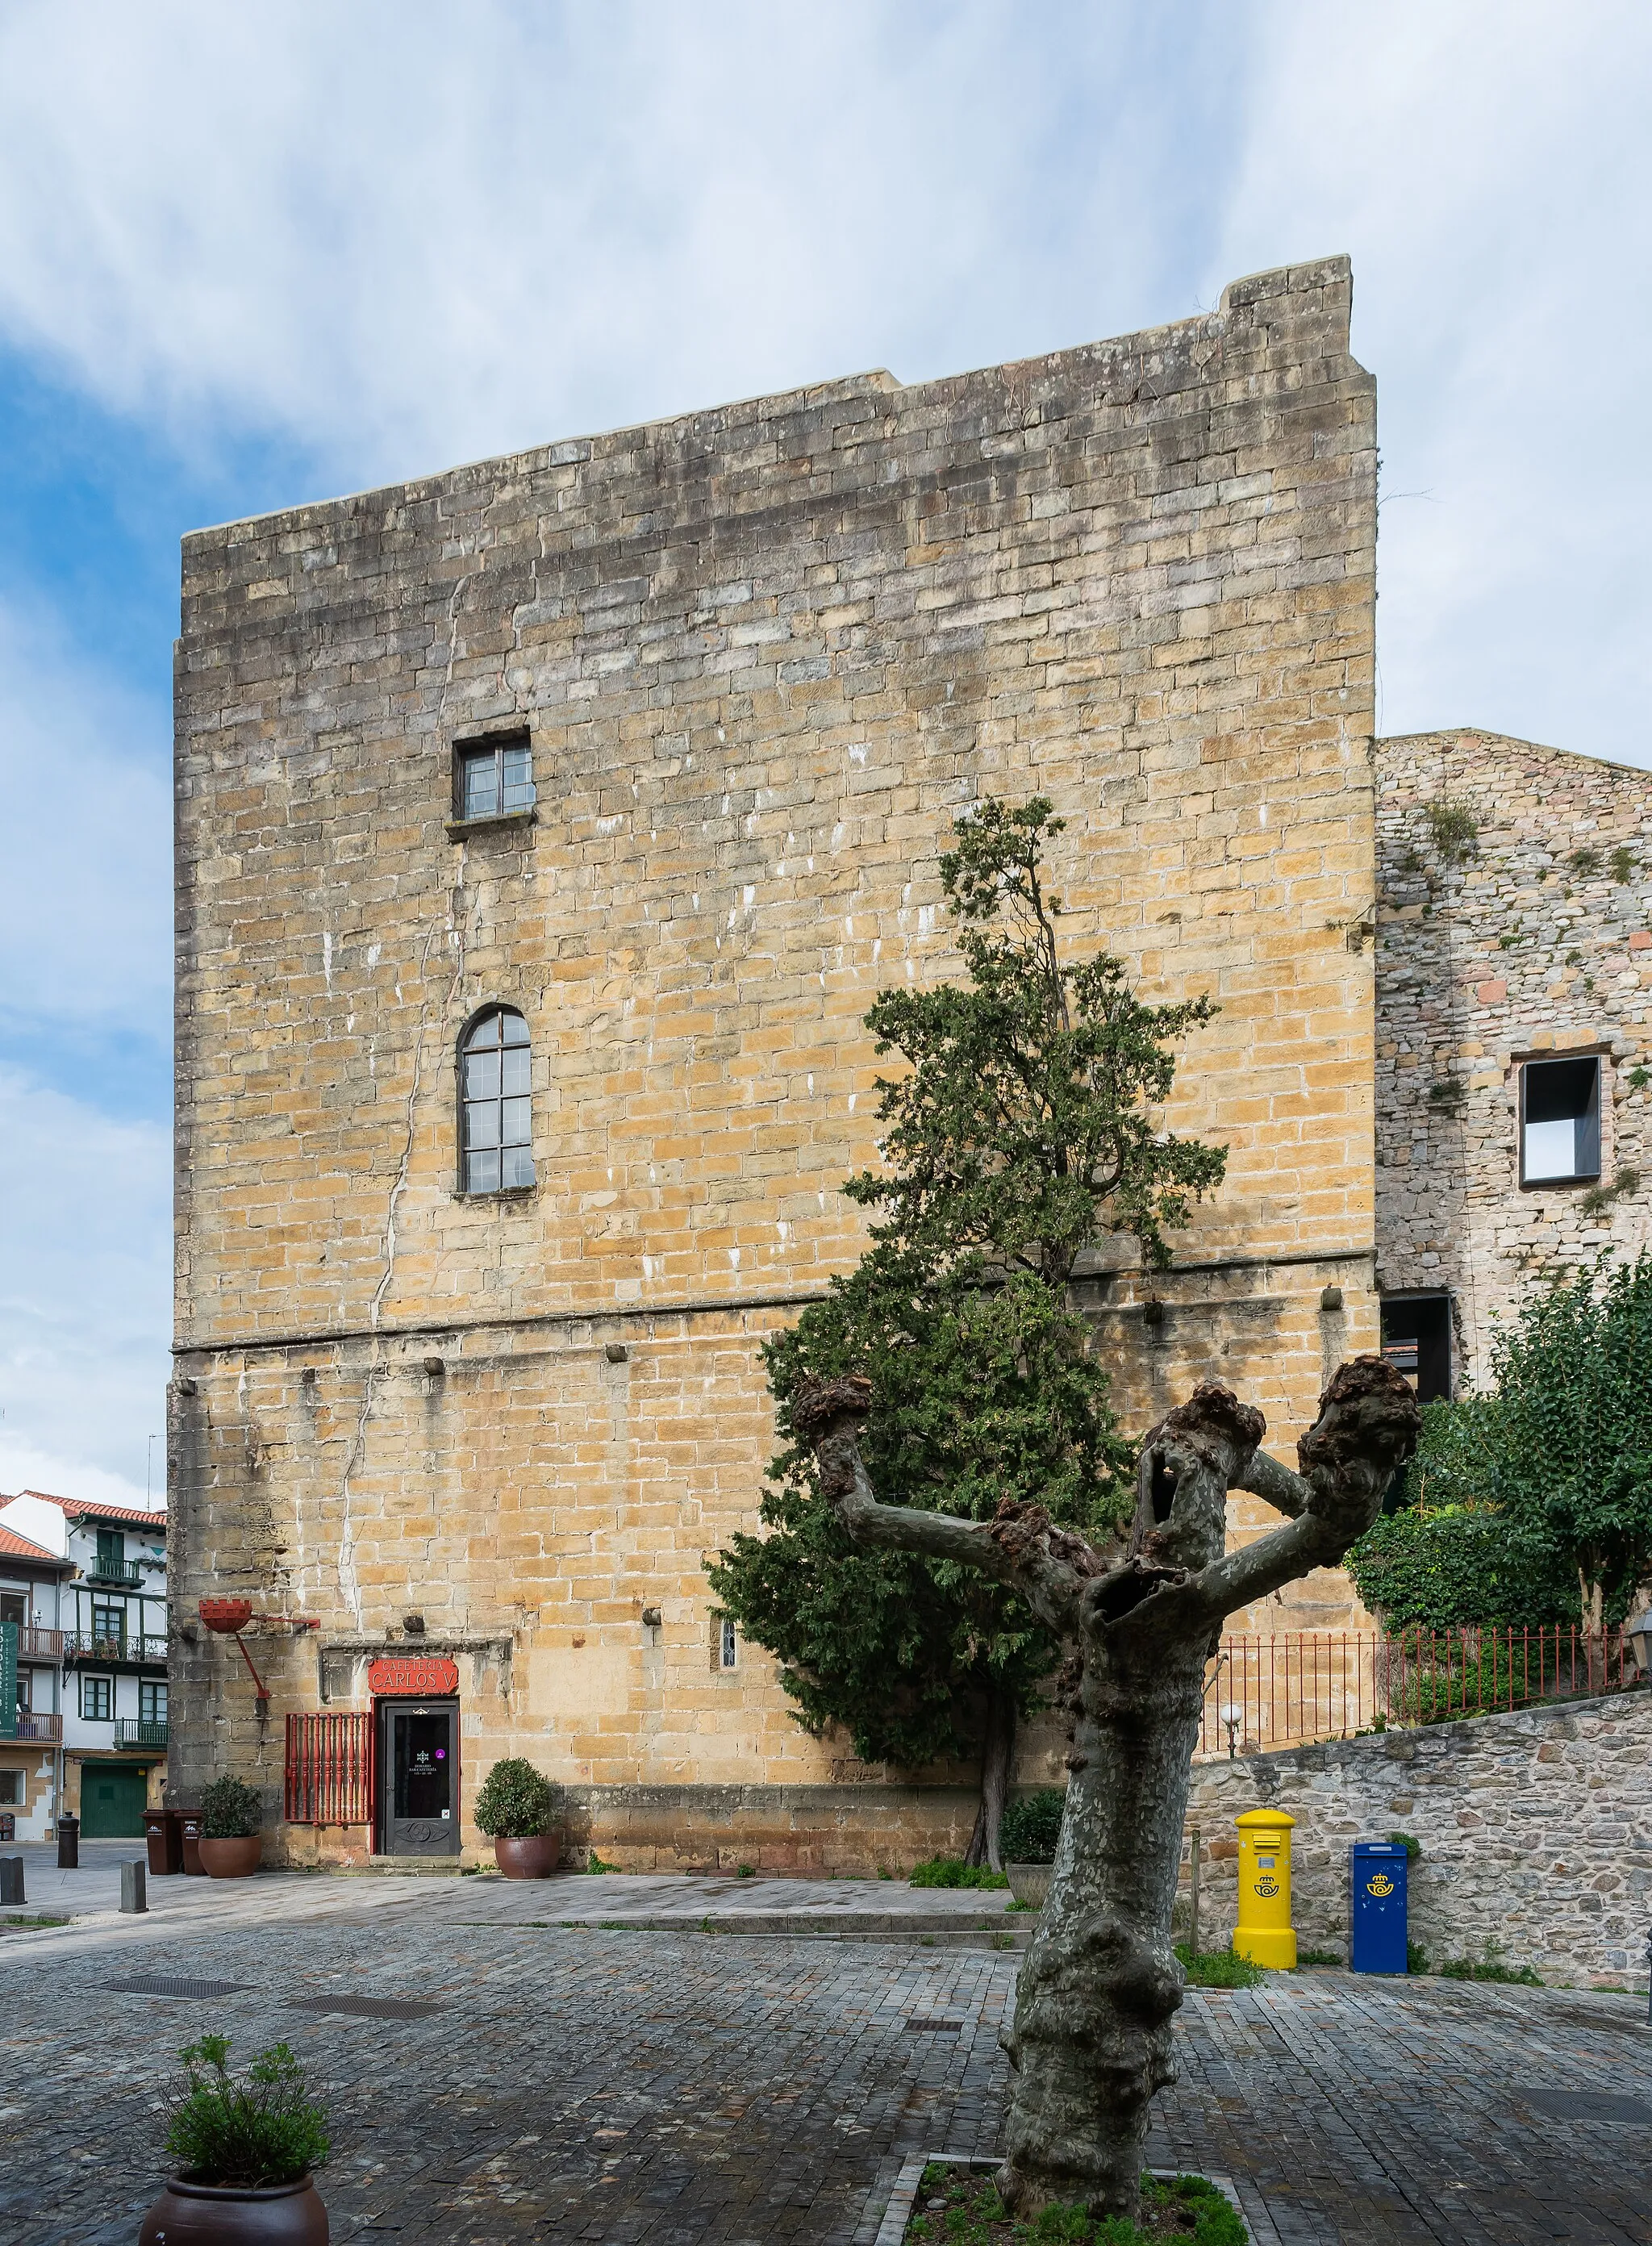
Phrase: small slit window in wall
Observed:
(495, 777)
(496, 1066)
(1559, 1121)
(725, 1650)
(1417, 1341)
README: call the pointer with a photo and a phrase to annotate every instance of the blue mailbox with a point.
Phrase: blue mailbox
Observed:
(1376, 1915)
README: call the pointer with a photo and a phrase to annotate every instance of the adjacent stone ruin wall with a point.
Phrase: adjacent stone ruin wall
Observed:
(1532, 942)
(1536, 1833)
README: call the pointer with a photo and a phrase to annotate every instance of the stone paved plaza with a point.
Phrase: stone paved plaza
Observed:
(633, 2086)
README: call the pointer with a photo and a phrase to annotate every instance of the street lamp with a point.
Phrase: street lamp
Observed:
(1232, 1717)
(1638, 1630)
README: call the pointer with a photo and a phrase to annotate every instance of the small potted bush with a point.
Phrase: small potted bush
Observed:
(231, 1813)
(245, 2149)
(514, 1809)
(1027, 1840)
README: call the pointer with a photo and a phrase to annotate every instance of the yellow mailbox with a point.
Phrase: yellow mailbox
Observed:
(1264, 1933)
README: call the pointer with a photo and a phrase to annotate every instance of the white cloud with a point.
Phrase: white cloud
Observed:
(85, 1239)
(407, 235)
(85, 913)
(1487, 169)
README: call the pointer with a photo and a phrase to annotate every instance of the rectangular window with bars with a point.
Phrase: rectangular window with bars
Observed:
(329, 1776)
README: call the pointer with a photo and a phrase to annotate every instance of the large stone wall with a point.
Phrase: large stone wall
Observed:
(1535, 940)
(1536, 1834)
(765, 654)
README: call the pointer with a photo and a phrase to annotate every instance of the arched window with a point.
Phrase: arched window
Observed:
(496, 1102)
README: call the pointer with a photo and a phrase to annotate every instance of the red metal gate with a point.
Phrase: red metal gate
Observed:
(329, 1764)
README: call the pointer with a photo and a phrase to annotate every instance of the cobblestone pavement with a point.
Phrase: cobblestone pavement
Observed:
(629, 2087)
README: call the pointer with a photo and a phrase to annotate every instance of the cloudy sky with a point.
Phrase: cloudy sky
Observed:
(255, 255)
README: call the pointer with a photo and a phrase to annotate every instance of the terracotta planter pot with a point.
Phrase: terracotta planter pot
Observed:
(530, 1857)
(217, 2214)
(235, 1859)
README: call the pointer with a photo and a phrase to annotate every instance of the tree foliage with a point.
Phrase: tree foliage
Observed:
(1022, 1127)
(1532, 1503)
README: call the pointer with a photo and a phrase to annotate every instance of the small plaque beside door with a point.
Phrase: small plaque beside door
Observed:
(420, 1676)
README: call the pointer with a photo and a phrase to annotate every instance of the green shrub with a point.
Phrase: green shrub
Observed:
(1411, 1845)
(516, 1801)
(262, 2129)
(1490, 1967)
(1031, 1826)
(972, 2203)
(1217, 1968)
(953, 1871)
(1453, 826)
(230, 1810)
(1416, 1958)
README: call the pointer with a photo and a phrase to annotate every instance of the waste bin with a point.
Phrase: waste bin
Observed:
(1377, 1911)
(163, 1841)
(68, 1842)
(189, 1827)
(7, 1825)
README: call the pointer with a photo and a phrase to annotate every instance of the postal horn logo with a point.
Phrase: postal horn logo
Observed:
(1380, 1885)
(1266, 1885)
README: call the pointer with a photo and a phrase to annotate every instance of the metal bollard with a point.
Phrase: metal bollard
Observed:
(68, 1842)
(133, 1895)
(11, 1879)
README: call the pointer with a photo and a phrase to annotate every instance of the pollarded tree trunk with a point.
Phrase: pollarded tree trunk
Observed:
(1091, 2039)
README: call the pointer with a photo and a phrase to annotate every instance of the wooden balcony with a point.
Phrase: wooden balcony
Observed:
(39, 1644)
(39, 1727)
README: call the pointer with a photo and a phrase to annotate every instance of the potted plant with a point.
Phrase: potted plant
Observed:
(231, 1813)
(245, 2150)
(514, 1809)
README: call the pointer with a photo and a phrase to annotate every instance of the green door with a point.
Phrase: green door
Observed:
(112, 1801)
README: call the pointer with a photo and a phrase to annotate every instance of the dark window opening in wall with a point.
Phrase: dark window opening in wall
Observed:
(1417, 1341)
(496, 1102)
(493, 779)
(1559, 1121)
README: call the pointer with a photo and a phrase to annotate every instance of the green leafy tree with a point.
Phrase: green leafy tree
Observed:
(1024, 1128)
(1570, 1434)
(1449, 1556)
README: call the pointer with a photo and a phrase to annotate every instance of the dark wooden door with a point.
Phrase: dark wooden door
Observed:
(418, 1778)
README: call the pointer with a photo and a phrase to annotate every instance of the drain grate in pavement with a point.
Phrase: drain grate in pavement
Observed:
(920, 2024)
(1586, 2106)
(169, 1984)
(366, 2008)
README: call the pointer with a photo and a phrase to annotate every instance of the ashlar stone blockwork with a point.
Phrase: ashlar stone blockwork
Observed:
(763, 657)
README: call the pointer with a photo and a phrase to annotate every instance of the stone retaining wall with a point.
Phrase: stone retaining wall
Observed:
(1536, 1832)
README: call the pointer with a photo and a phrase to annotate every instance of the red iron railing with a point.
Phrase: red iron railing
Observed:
(328, 1770)
(1300, 1685)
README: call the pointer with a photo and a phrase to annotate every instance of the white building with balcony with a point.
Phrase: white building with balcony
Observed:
(95, 1656)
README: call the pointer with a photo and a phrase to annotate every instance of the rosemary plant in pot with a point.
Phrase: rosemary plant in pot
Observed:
(231, 1843)
(245, 2148)
(514, 1809)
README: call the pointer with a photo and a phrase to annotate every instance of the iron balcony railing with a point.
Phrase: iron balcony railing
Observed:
(134, 1732)
(126, 1572)
(39, 1727)
(90, 1645)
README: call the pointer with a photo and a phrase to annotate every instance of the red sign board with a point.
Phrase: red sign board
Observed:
(419, 1674)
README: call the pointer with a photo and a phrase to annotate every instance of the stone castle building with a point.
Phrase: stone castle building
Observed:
(545, 829)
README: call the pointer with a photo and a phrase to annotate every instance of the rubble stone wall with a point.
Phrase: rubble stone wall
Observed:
(1533, 939)
(1535, 1827)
